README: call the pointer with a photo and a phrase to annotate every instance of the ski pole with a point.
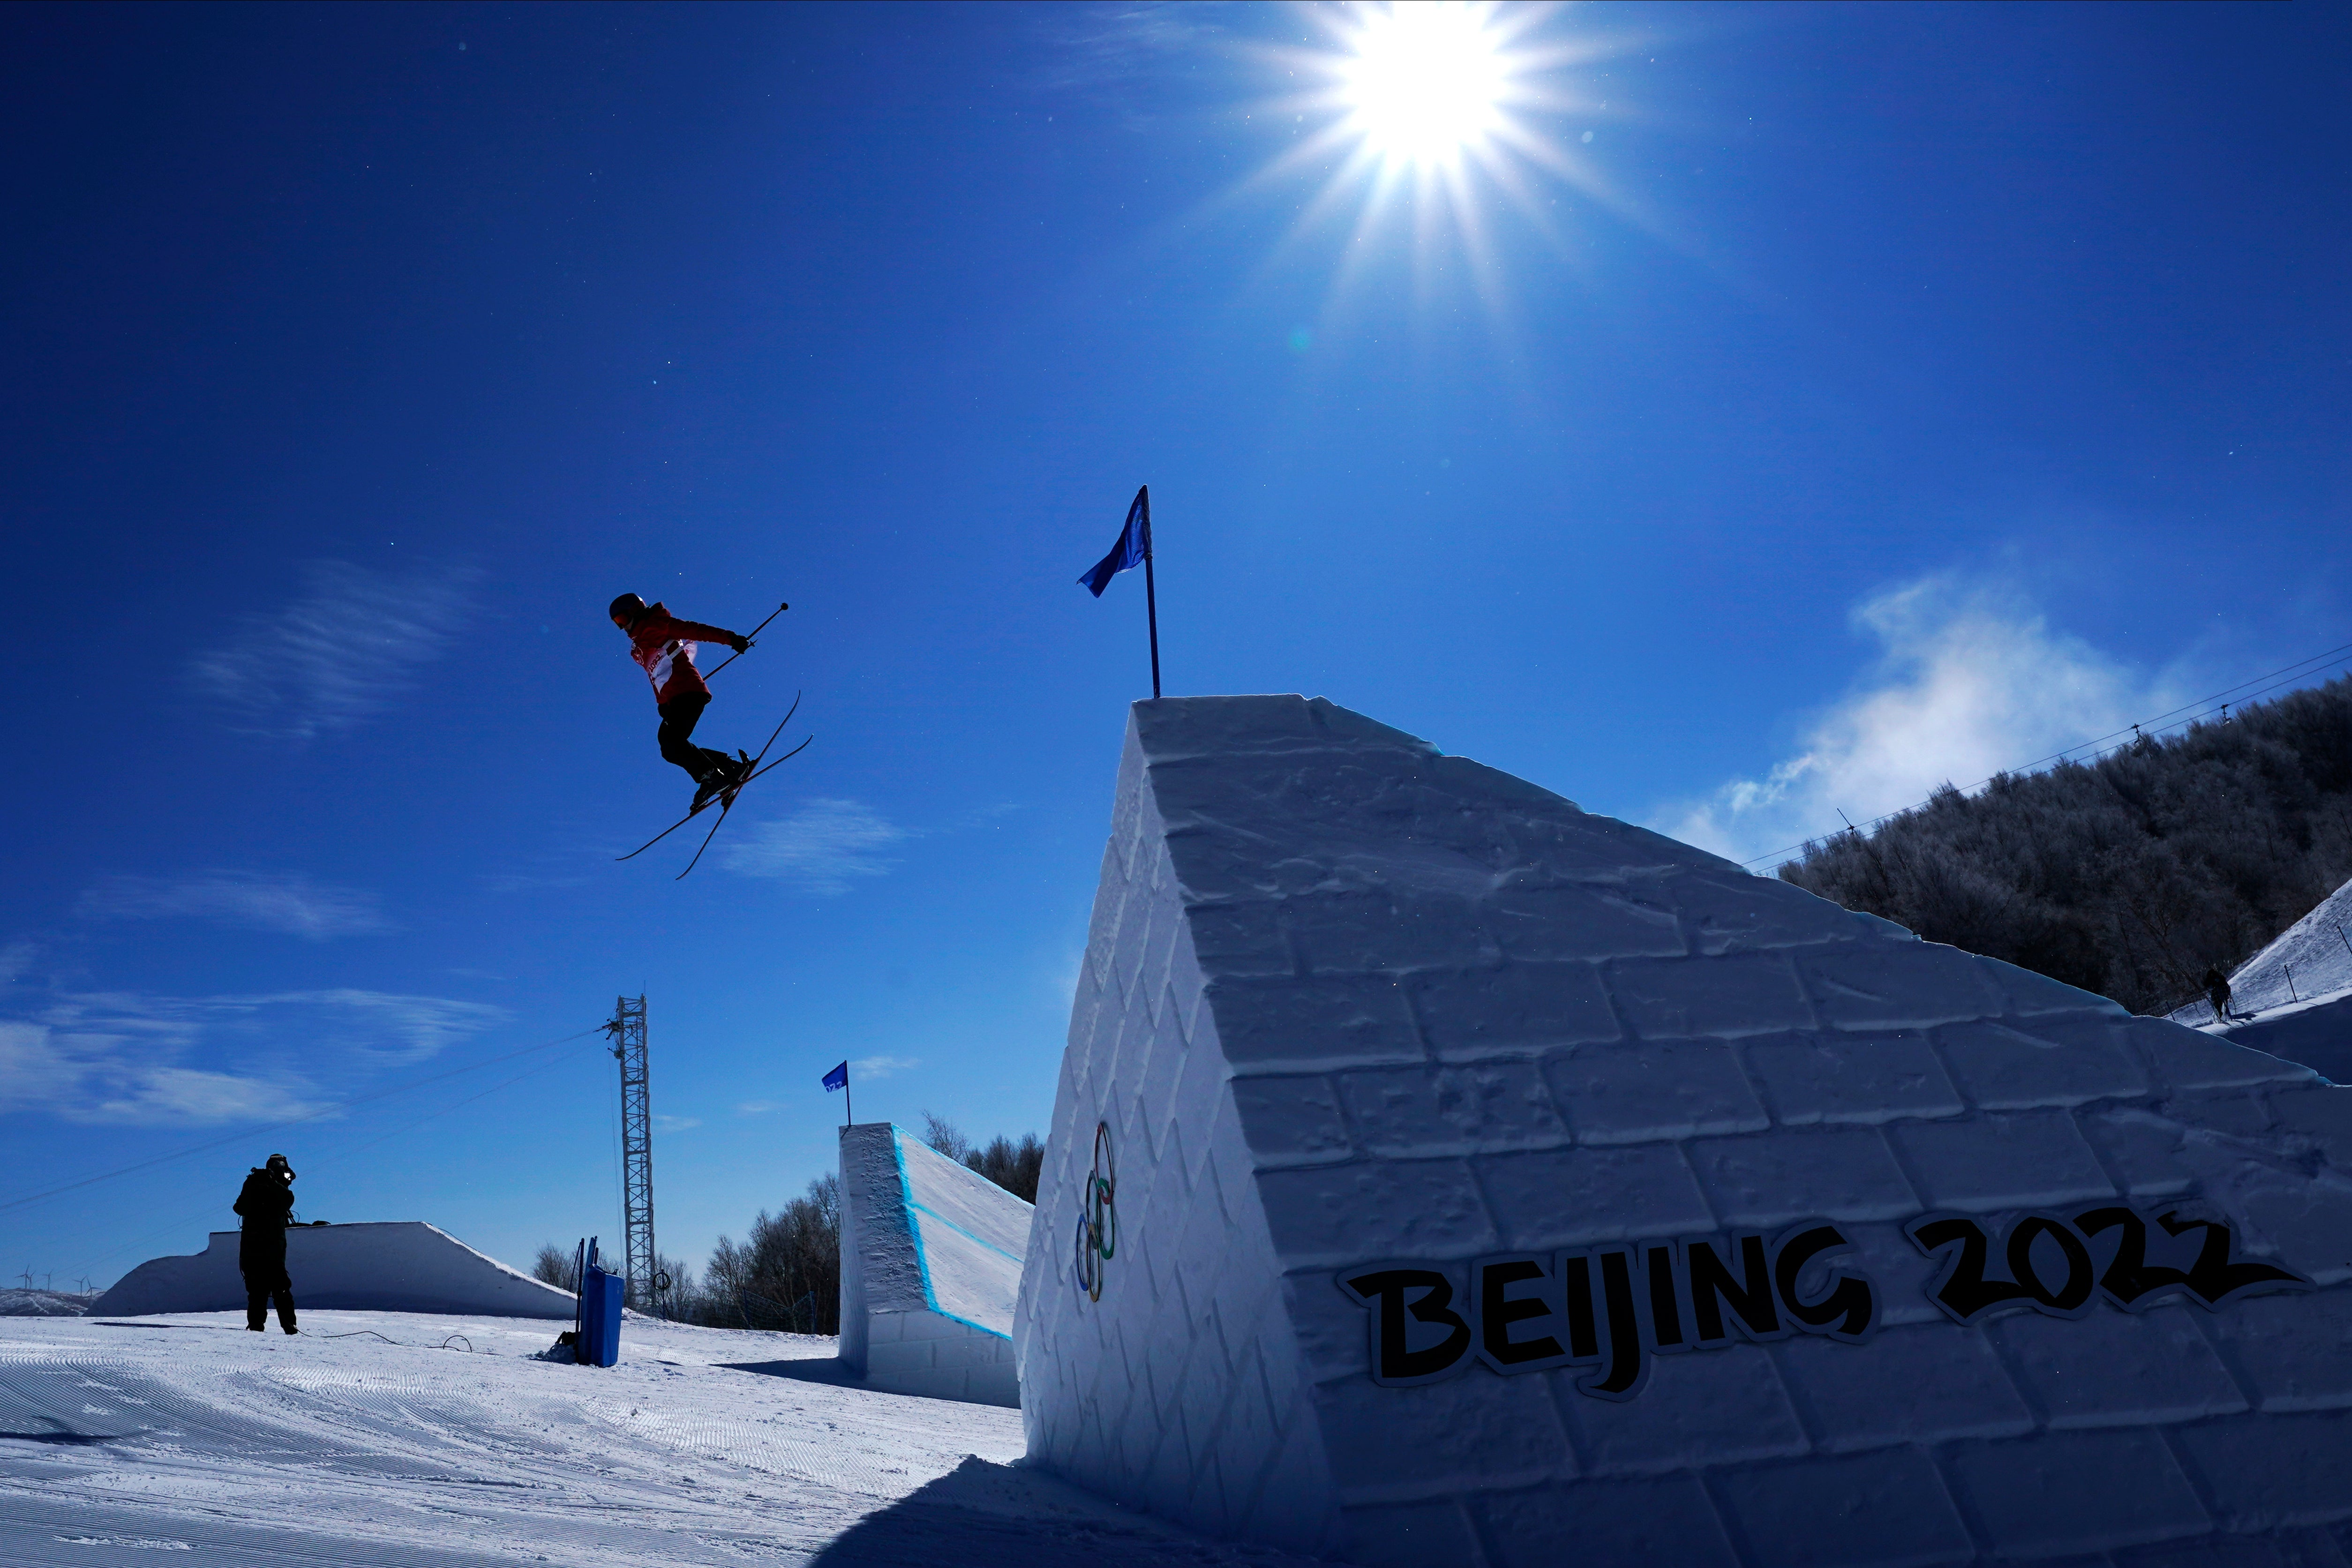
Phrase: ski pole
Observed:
(755, 631)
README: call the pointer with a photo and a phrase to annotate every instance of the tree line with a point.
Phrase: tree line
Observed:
(785, 1275)
(2131, 874)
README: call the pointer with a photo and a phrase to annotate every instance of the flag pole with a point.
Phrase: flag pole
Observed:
(848, 1106)
(1151, 590)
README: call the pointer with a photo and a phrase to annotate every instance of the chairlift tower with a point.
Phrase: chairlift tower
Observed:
(627, 1028)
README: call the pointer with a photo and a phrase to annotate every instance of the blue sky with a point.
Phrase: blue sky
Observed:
(1823, 404)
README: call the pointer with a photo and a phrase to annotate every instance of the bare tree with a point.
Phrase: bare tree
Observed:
(786, 1275)
(557, 1266)
(942, 1135)
(1012, 1166)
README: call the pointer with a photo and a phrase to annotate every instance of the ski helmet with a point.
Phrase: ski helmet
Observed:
(626, 608)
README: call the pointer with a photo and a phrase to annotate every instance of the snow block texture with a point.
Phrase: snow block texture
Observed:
(931, 1260)
(394, 1266)
(1349, 1004)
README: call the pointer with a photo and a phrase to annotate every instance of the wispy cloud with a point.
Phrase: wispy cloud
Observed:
(675, 1123)
(132, 1057)
(1971, 680)
(822, 848)
(84, 1078)
(1097, 47)
(386, 1026)
(509, 883)
(262, 901)
(757, 1107)
(883, 1066)
(135, 1059)
(17, 961)
(352, 643)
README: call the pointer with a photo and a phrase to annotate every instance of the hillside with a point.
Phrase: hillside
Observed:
(2131, 874)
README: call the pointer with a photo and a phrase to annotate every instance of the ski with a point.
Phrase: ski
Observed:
(728, 796)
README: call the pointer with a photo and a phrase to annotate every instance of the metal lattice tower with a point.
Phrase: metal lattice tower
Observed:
(627, 1029)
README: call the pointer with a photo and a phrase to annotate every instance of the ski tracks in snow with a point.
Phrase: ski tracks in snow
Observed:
(135, 1441)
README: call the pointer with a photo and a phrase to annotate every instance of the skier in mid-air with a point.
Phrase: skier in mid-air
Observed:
(663, 646)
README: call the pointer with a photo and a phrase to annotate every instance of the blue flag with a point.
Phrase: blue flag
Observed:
(1134, 545)
(838, 1079)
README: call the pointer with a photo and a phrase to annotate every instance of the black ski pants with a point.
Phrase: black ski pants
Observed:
(678, 718)
(266, 1284)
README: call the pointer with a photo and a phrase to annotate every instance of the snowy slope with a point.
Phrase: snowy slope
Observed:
(2294, 998)
(121, 1440)
(19, 1304)
(2309, 959)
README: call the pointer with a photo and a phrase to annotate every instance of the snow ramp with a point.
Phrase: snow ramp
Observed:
(930, 1262)
(394, 1266)
(1492, 1182)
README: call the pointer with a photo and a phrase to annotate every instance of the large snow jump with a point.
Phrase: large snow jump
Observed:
(931, 1260)
(394, 1266)
(1441, 1173)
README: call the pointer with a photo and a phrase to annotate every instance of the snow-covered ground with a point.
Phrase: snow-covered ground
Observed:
(2294, 998)
(439, 1442)
(23, 1303)
(2310, 960)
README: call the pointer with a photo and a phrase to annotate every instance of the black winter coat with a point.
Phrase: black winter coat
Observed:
(268, 1205)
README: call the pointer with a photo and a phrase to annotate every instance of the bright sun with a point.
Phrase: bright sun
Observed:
(1434, 112)
(1427, 81)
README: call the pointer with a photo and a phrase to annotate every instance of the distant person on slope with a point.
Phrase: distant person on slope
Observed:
(2217, 991)
(266, 1205)
(664, 645)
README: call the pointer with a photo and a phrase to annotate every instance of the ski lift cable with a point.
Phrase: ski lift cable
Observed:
(2203, 707)
(243, 1133)
(141, 1241)
(2203, 704)
(455, 1104)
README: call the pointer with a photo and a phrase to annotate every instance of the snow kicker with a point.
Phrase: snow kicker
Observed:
(1441, 1174)
(399, 1266)
(931, 1259)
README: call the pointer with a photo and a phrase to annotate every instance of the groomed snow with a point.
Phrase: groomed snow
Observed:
(2310, 961)
(123, 1439)
(2294, 998)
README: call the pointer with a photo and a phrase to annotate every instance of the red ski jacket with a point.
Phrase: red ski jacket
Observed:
(663, 646)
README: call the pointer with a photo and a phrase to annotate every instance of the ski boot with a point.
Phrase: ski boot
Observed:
(739, 773)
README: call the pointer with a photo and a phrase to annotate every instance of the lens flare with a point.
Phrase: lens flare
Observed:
(1413, 125)
(1426, 81)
